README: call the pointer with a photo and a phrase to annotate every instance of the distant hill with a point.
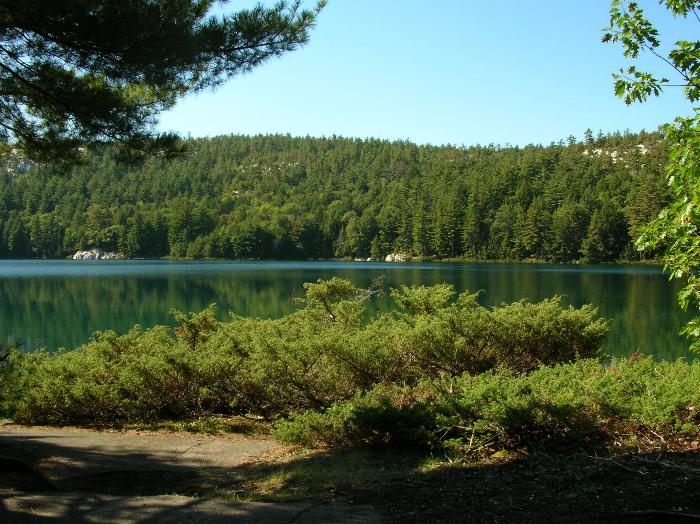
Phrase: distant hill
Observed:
(282, 197)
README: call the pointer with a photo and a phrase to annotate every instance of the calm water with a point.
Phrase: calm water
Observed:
(61, 303)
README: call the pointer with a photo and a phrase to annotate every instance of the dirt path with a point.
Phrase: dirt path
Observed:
(82, 507)
(63, 453)
(74, 475)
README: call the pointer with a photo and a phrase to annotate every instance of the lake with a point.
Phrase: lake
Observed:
(60, 303)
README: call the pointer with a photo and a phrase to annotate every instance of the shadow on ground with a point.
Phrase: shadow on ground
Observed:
(49, 477)
(345, 486)
(566, 488)
(84, 507)
(35, 464)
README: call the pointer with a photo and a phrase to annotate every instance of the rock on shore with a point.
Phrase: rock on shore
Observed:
(395, 257)
(97, 254)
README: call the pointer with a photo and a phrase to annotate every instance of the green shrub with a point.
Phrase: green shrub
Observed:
(423, 299)
(143, 375)
(8, 388)
(464, 337)
(584, 402)
(384, 416)
(320, 355)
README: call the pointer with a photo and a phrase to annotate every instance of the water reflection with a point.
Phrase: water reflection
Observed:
(61, 303)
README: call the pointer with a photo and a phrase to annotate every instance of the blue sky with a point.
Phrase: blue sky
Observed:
(441, 71)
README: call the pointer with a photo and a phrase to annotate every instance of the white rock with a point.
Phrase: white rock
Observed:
(97, 254)
(395, 257)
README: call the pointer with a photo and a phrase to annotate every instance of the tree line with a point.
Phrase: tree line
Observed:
(281, 197)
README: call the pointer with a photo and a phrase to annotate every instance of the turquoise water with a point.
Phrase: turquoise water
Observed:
(60, 303)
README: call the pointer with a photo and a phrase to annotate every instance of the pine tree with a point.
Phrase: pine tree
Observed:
(80, 72)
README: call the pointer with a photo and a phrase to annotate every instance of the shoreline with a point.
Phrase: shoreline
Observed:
(416, 260)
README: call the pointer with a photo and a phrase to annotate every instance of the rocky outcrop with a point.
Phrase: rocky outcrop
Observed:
(395, 257)
(97, 254)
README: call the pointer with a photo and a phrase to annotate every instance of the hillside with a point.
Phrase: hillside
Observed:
(282, 197)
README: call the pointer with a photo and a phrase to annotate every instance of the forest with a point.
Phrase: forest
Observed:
(281, 197)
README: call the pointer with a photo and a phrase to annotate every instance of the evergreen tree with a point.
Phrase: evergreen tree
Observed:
(78, 72)
(569, 228)
(284, 197)
(607, 234)
(533, 235)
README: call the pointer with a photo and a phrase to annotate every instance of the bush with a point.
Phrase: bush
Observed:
(8, 389)
(464, 337)
(143, 375)
(386, 415)
(441, 373)
(583, 402)
(320, 355)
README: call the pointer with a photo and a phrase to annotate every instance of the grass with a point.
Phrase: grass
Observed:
(210, 425)
(323, 475)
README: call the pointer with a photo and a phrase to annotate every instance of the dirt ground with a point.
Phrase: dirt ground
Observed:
(169, 477)
(69, 475)
(571, 488)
